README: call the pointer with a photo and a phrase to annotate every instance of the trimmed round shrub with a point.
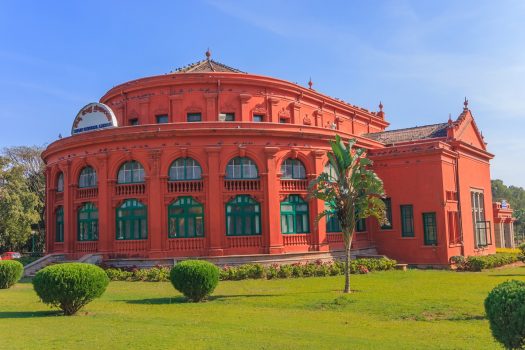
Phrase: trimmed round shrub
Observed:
(70, 286)
(10, 272)
(505, 308)
(196, 279)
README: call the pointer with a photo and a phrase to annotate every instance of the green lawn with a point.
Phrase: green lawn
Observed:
(390, 310)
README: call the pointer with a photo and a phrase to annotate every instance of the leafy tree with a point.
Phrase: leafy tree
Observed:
(19, 206)
(353, 191)
(24, 164)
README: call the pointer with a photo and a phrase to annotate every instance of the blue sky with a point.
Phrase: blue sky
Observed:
(421, 58)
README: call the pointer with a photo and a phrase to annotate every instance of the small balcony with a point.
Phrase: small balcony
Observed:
(242, 185)
(296, 239)
(130, 189)
(86, 193)
(294, 185)
(185, 186)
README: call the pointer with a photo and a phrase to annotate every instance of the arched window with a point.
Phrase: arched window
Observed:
(60, 182)
(131, 172)
(59, 224)
(243, 217)
(185, 218)
(294, 215)
(241, 168)
(88, 223)
(185, 169)
(329, 169)
(293, 169)
(87, 178)
(332, 221)
(132, 220)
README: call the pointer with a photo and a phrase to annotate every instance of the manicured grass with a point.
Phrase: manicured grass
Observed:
(389, 310)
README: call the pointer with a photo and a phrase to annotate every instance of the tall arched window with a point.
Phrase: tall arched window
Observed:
(132, 220)
(60, 182)
(243, 216)
(59, 224)
(293, 169)
(185, 218)
(185, 169)
(131, 172)
(87, 178)
(329, 169)
(294, 215)
(241, 168)
(88, 223)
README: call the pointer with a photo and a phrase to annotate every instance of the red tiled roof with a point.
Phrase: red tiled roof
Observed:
(205, 66)
(410, 134)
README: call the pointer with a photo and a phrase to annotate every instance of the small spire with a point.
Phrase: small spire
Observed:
(465, 103)
(208, 54)
(310, 83)
(380, 106)
(449, 119)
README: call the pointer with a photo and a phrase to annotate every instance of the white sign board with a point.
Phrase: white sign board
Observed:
(94, 116)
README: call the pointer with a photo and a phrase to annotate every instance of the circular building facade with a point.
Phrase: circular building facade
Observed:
(203, 161)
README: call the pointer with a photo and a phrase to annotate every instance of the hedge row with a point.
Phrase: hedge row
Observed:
(258, 271)
(478, 263)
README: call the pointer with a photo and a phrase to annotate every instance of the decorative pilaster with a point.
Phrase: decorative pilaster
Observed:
(105, 237)
(154, 203)
(211, 110)
(245, 111)
(215, 230)
(272, 236)
(317, 206)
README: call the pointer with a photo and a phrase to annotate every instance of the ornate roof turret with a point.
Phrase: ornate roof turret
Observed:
(205, 66)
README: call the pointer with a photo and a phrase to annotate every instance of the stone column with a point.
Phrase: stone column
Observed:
(69, 187)
(272, 204)
(103, 206)
(50, 210)
(317, 206)
(154, 203)
(214, 209)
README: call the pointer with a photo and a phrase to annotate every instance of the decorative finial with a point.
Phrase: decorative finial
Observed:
(380, 106)
(381, 114)
(208, 54)
(59, 136)
(449, 119)
(310, 83)
(465, 104)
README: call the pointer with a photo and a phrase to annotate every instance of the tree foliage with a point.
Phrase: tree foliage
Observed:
(22, 194)
(352, 192)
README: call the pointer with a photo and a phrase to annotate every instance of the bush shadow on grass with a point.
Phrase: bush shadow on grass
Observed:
(182, 300)
(28, 314)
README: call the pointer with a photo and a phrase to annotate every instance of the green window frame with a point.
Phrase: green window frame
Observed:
(388, 213)
(131, 172)
(59, 224)
(241, 168)
(185, 218)
(87, 223)
(258, 118)
(87, 178)
(407, 220)
(132, 220)
(430, 228)
(332, 175)
(295, 216)
(293, 169)
(243, 216)
(193, 117)
(60, 183)
(183, 169)
(332, 223)
(360, 225)
(162, 119)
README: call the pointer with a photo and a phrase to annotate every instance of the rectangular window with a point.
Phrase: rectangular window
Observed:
(194, 117)
(360, 225)
(134, 121)
(482, 231)
(407, 221)
(388, 209)
(228, 117)
(258, 118)
(430, 228)
(162, 119)
(283, 120)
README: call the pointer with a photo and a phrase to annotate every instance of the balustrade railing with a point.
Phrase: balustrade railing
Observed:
(186, 243)
(131, 245)
(244, 241)
(130, 189)
(185, 186)
(83, 193)
(334, 237)
(296, 239)
(294, 185)
(91, 246)
(242, 185)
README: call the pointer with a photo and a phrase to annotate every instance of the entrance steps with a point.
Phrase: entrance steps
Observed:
(52, 259)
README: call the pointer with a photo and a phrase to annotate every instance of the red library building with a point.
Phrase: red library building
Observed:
(211, 161)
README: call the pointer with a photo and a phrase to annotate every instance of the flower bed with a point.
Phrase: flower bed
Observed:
(478, 263)
(258, 271)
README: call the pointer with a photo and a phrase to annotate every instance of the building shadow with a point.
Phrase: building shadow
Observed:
(183, 300)
(28, 314)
